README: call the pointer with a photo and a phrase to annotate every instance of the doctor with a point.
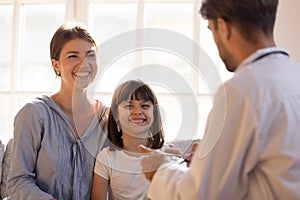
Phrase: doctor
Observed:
(251, 146)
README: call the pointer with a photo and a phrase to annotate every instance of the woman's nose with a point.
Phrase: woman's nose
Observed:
(83, 61)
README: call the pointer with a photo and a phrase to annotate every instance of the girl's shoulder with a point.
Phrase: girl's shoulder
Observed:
(106, 153)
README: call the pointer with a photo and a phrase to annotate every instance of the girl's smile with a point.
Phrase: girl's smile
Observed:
(136, 117)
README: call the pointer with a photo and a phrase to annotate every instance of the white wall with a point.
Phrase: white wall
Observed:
(287, 27)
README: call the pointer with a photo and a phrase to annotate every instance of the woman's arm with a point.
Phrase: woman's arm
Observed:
(28, 128)
(99, 189)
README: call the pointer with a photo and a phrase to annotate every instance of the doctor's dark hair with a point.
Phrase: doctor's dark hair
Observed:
(247, 15)
(134, 90)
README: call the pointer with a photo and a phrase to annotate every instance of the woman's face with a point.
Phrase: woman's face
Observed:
(77, 64)
(136, 117)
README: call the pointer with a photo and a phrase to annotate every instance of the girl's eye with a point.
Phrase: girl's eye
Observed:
(127, 106)
(146, 105)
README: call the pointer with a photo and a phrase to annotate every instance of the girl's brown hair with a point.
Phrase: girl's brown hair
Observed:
(135, 90)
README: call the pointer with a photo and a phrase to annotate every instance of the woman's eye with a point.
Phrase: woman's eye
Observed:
(91, 55)
(72, 56)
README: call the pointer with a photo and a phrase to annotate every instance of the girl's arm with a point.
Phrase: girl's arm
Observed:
(99, 189)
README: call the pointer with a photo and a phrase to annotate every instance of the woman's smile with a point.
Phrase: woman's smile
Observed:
(82, 74)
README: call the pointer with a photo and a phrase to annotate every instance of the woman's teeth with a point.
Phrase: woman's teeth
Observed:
(81, 74)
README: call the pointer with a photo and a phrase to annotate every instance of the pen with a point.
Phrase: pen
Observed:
(183, 161)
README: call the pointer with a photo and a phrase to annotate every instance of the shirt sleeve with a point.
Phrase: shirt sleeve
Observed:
(102, 166)
(28, 130)
(222, 164)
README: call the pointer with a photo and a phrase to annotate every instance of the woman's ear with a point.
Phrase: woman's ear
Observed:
(55, 66)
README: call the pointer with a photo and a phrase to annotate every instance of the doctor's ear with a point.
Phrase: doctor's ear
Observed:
(224, 27)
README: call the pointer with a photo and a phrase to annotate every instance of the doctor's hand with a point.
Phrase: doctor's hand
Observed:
(152, 161)
(169, 149)
(189, 155)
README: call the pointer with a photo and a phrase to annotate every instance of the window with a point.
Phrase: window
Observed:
(24, 49)
(5, 49)
(164, 42)
(6, 16)
(35, 42)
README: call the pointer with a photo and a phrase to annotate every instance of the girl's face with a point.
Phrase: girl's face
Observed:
(136, 117)
(77, 64)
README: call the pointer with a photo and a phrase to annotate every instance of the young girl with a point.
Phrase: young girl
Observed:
(134, 119)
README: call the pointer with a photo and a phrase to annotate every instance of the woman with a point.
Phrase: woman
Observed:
(57, 137)
(134, 119)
